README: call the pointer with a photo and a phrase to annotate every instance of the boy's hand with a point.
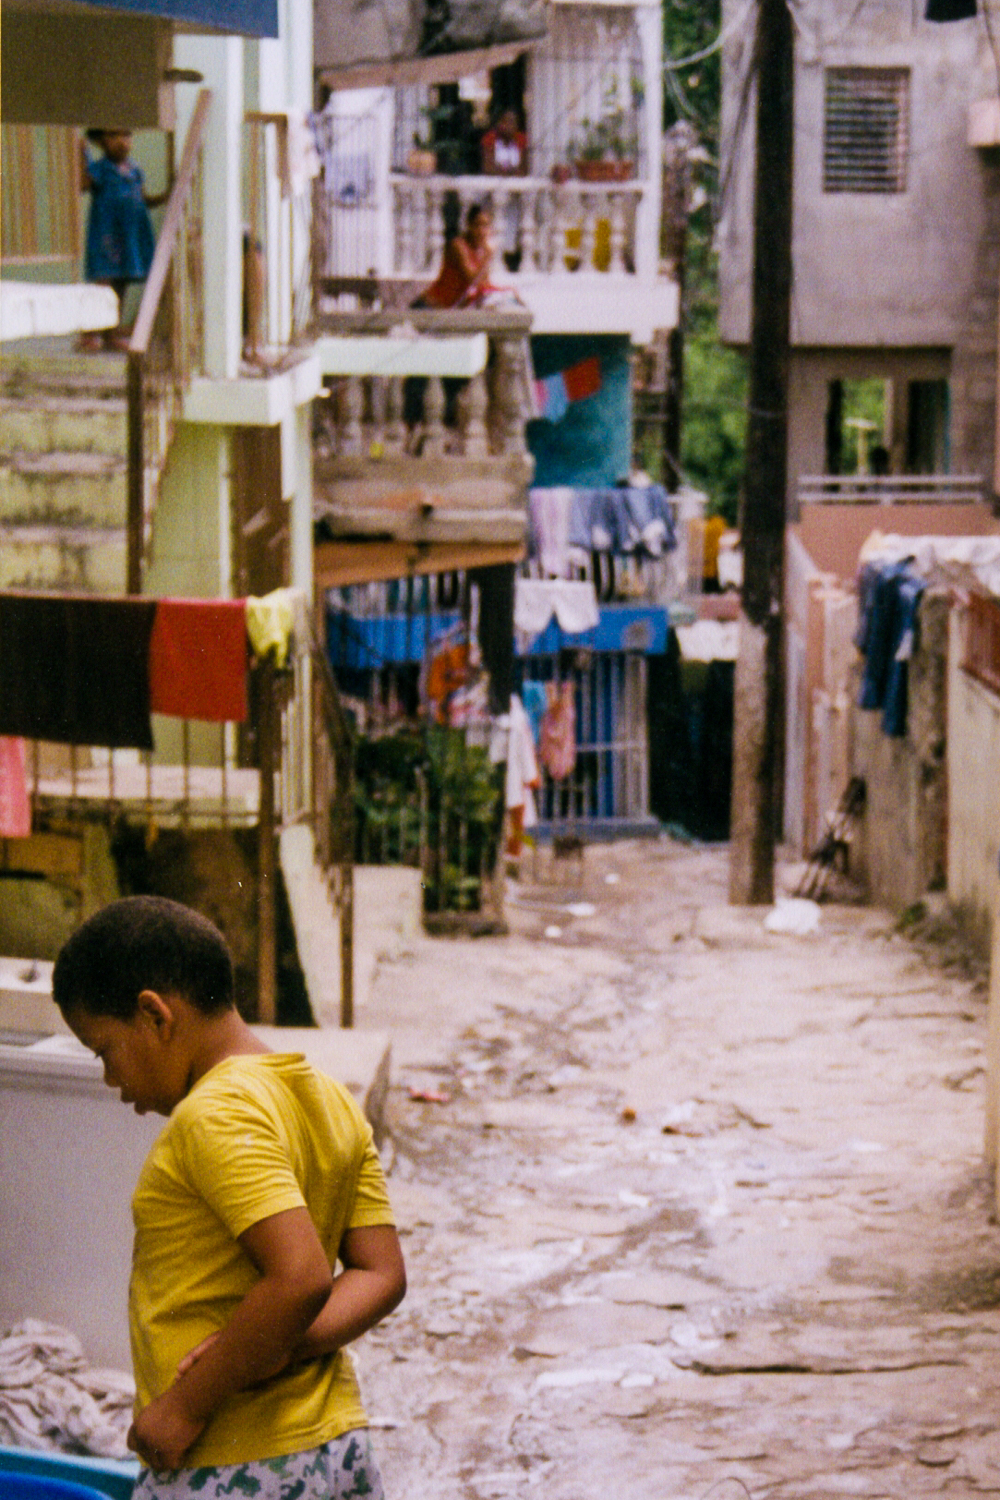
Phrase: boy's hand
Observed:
(163, 1432)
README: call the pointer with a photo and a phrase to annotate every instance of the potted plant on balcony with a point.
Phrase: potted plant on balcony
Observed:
(607, 147)
(421, 160)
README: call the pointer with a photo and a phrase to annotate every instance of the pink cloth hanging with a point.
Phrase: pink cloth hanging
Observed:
(558, 738)
(15, 805)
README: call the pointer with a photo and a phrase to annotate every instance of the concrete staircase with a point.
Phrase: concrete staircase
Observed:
(63, 472)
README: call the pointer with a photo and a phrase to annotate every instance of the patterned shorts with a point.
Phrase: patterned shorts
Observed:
(343, 1469)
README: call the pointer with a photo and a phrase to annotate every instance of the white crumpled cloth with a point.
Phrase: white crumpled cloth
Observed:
(50, 1398)
(573, 602)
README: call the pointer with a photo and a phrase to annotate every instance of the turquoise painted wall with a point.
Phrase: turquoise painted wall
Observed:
(592, 445)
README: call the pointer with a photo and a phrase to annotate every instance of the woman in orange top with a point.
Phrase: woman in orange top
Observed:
(466, 265)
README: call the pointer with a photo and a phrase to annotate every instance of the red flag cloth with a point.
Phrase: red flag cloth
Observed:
(583, 380)
(198, 659)
(15, 807)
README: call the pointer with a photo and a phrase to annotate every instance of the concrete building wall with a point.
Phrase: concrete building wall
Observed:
(810, 374)
(870, 268)
(902, 849)
(109, 70)
(834, 534)
(893, 285)
(973, 797)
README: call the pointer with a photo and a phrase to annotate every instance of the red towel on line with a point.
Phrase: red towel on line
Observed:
(198, 659)
(15, 807)
(583, 380)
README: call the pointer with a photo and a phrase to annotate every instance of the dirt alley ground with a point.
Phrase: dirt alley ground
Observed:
(705, 1212)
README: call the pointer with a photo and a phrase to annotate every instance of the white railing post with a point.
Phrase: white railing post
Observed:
(404, 228)
(435, 435)
(394, 440)
(529, 231)
(616, 216)
(351, 406)
(588, 231)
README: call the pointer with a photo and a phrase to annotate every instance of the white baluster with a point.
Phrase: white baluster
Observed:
(435, 436)
(588, 231)
(472, 405)
(378, 393)
(510, 392)
(404, 229)
(529, 228)
(433, 230)
(616, 213)
(394, 440)
(351, 398)
(560, 225)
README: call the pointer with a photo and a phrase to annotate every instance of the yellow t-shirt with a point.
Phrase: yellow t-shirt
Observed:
(257, 1135)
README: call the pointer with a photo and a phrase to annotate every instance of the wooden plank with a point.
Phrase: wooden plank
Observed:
(337, 564)
(57, 856)
(490, 527)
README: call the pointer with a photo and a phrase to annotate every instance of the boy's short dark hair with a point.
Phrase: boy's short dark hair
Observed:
(143, 943)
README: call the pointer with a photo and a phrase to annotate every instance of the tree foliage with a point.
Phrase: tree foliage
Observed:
(715, 387)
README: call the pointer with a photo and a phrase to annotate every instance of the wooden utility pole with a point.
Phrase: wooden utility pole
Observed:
(677, 144)
(758, 738)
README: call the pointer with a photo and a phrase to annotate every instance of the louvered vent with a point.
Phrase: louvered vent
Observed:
(866, 130)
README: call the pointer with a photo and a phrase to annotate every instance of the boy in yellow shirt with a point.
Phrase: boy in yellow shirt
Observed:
(264, 1177)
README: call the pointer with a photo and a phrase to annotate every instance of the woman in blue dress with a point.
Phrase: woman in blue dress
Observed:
(120, 241)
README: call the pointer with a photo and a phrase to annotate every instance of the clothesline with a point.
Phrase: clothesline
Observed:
(89, 670)
(567, 524)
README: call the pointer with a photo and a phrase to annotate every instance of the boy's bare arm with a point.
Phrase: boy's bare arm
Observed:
(371, 1284)
(294, 1285)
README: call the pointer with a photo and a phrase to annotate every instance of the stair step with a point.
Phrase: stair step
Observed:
(72, 374)
(72, 558)
(46, 423)
(75, 489)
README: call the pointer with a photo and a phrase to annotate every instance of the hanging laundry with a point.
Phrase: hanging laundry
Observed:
(15, 804)
(496, 630)
(198, 659)
(550, 513)
(573, 602)
(889, 602)
(271, 622)
(447, 673)
(554, 393)
(75, 670)
(649, 520)
(522, 779)
(535, 702)
(558, 747)
(551, 401)
(568, 524)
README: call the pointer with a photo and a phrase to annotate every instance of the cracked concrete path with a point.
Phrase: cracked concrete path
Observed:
(704, 1213)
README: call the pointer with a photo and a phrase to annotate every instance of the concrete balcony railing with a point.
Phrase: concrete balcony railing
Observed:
(890, 489)
(423, 437)
(556, 227)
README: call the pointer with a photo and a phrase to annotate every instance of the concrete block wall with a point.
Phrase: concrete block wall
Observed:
(902, 849)
(973, 799)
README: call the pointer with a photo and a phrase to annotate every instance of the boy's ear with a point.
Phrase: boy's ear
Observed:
(157, 1011)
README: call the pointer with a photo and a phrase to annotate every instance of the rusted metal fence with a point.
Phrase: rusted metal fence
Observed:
(982, 640)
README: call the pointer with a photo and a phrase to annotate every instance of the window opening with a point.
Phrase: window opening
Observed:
(866, 130)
